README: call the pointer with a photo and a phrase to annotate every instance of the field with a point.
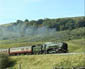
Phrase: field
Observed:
(77, 45)
(49, 61)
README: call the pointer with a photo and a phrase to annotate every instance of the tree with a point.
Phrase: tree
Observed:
(40, 21)
(19, 21)
(26, 21)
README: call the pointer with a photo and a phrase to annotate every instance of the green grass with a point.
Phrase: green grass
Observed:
(77, 45)
(10, 45)
(48, 61)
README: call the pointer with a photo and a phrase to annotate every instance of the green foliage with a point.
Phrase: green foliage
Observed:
(65, 23)
(19, 21)
(4, 61)
(26, 21)
(59, 24)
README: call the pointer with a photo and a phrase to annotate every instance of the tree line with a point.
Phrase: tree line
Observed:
(60, 24)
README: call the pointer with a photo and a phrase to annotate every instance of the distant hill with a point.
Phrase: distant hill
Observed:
(44, 28)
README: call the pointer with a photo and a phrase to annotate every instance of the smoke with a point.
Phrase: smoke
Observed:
(22, 30)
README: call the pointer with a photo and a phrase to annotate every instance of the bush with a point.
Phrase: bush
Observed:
(4, 61)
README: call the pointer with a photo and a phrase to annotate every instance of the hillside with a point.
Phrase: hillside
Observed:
(42, 28)
(25, 33)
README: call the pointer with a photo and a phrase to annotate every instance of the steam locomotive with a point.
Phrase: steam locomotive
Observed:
(46, 48)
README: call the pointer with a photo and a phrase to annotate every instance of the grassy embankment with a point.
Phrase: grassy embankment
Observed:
(48, 61)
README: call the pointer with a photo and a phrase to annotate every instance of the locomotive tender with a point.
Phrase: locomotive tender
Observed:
(47, 48)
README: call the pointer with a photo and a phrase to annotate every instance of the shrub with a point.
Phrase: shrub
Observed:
(4, 61)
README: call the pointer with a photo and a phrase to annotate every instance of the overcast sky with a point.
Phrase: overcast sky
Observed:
(12, 10)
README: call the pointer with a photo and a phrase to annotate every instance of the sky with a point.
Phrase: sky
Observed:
(12, 10)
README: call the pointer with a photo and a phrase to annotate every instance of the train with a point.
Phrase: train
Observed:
(46, 48)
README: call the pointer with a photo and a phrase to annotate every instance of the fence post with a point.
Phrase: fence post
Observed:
(19, 66)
